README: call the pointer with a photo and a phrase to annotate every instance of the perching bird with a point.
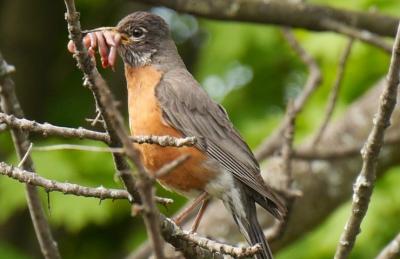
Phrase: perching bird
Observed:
(165, 99)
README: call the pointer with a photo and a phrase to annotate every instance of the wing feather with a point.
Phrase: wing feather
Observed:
(188, 108)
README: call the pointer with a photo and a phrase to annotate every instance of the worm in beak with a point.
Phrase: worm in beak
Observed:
(106, 40)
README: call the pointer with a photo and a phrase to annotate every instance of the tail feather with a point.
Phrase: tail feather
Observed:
(245, 216)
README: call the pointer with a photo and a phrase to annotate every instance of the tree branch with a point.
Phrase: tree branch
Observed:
(365, 181)
(310, 154)
(283, 12)
(115, 127)
(47, 129)
(361, 35)
(212, 249)
(392, 250)
(334, 93)
(10, 105)
(68, 188)
(278, 229)
(274, 141)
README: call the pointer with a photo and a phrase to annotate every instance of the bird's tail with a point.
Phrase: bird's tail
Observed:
(245, 216)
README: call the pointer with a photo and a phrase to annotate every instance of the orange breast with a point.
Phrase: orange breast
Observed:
(145, 118)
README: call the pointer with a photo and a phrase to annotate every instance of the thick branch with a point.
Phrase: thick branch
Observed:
(115, 126)
(10, 105)
(283, 12)
(365, 181)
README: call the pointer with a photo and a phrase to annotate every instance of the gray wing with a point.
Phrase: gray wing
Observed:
(189, 109)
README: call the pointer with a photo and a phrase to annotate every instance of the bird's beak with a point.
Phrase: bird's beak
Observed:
(124, 38)
(114, 29)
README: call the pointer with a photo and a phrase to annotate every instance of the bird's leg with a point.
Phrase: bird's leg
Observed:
(200, 214)
(183, 215)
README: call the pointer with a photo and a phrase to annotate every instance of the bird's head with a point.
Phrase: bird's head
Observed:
(142, 36)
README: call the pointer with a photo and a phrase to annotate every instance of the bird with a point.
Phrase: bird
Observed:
(165, 99)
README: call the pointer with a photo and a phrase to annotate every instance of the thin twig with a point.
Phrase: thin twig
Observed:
(79, 148)
(334, 93)
(96, 119)
(392, 250)
(10, 105)
(68, 188)
(365, 182)
(278, 229)
(363, 35)
(27, 154)
(273, 142)
(334, 153)
(116, 129)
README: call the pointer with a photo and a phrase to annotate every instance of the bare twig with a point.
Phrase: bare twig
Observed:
(363, 35)
(365, 181)
(47, 129)
(115, 127)
(279, 227)
(165, 141)
(68, 188)
(97, 118)
(27, 154)
(334, 93)
(10, 105)
(392, 250)
(79, 148)
(334, 153)
(273, 142)
(211, 246)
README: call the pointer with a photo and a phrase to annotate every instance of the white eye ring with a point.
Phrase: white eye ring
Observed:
(138, 33)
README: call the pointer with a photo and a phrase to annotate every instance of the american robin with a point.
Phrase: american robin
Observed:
(165, 99)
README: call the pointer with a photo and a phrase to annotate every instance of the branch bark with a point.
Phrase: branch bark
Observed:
(68, 188)
(283, 12)
(365, 181)
(392, 250)
(115, 127)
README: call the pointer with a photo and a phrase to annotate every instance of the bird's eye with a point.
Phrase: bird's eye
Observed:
(137, 33)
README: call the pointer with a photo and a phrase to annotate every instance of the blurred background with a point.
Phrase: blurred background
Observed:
(249, 68)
